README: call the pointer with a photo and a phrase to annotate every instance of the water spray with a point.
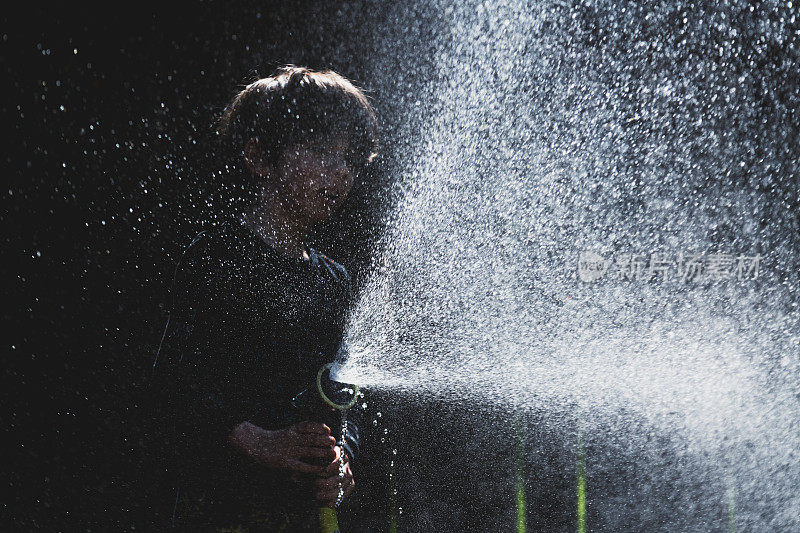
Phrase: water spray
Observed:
(328, 401)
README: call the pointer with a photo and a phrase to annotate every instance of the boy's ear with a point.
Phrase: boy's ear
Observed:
(256, 158)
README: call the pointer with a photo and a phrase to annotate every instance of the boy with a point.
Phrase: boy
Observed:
(256, 312)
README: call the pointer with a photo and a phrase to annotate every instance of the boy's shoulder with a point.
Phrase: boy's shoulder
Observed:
(195, 250)
(215, 242)
(202, 245)
(206, 250)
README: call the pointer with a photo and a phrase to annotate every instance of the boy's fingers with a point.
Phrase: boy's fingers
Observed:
(313, 427)
(327, 483)
(333, 468)
(331, 493)
(300, 466)
(313, 439)
(328, 495)
(314, 451)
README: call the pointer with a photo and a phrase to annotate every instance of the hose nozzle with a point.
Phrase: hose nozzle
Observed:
(341, 396)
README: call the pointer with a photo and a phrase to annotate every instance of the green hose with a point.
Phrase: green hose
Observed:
(581, 480)
(328, 522)
(521, 499)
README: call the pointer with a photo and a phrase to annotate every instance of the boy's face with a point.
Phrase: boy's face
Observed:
(314, 178)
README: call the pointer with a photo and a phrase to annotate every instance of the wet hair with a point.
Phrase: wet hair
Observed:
(297, 105)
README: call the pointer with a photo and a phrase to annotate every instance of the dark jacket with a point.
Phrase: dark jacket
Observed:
(248, 329)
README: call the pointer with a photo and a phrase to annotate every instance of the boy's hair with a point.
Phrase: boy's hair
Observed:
(297, 105)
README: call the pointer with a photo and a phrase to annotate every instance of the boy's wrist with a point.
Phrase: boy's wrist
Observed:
(245, 438)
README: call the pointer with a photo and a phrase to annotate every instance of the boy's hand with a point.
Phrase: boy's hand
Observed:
(285, 448)
(328, 483)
